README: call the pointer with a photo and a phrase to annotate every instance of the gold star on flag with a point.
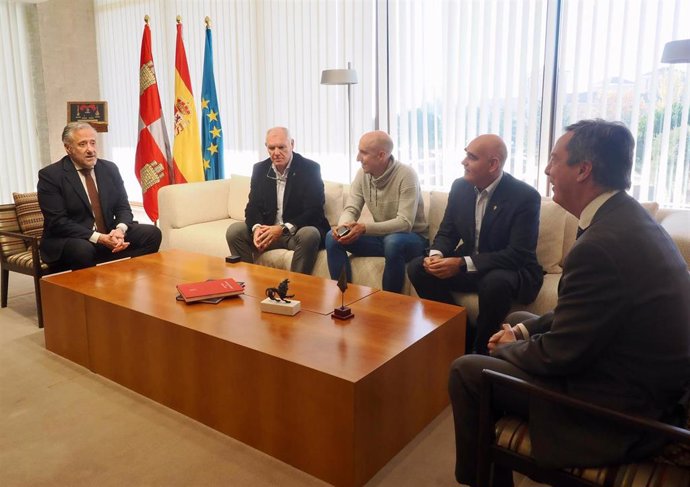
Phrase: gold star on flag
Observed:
(213, 149)
(207, 164)
(204, 103)
(215, 131)
(212, 116)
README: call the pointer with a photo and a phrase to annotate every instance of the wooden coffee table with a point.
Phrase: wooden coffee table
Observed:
(337, 399)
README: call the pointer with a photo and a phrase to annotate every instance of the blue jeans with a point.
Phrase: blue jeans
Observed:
(397, 248)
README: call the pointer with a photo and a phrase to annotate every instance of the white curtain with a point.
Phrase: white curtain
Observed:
(19, 146)
(610, 67)
(435, 73)
(268, 58)
(459, 69)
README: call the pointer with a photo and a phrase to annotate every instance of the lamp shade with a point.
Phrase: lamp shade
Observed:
(339, 77)
(676, 52)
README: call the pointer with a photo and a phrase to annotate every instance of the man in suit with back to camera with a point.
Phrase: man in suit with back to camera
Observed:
(87, 215)
(619, 336)
(486, 242)
(391, 191)
(285, 207)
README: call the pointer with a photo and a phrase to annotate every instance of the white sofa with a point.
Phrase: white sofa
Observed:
(195, 217)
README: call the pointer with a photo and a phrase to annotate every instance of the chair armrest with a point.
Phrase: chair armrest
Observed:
(490, 377)
(21, 236)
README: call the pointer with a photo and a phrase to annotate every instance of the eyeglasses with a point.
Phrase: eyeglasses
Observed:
(276, 176)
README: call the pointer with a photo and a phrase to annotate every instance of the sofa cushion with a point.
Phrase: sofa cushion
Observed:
(238, 195)
(550, 242)
(334, 202)
(186, 204)
(651, 206)
(206, 238)
(436, 208)
(677, 223)
(28, 213)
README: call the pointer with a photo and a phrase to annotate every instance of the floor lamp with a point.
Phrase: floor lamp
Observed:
(676, 52)
(343, 77)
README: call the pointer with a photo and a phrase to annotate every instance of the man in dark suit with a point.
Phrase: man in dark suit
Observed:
(87, 215)
(486, 242)
(285, 207)
(619, 335)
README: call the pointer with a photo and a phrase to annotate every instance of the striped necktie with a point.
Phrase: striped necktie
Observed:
(95, 202)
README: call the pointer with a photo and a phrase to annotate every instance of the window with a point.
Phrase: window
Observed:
(434, 73)
(461, 69)
(610, 67)
(268, 58)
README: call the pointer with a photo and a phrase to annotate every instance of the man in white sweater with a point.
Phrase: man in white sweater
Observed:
(391, 192)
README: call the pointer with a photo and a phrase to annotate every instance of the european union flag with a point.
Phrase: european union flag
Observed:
(211, 130)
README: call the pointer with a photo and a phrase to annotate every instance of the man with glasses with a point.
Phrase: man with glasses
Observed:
(285, 207)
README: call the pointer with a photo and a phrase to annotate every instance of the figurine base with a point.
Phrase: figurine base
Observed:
(342, 313)
(280, 308)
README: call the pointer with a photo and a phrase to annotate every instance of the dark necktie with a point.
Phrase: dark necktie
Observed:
(580, 231)
(95, 202)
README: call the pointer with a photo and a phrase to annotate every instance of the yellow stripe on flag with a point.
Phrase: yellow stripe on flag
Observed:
(188, 166)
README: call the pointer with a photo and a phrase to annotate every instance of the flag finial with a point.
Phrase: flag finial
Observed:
(179, 19)
(146, 19)
(208, 21)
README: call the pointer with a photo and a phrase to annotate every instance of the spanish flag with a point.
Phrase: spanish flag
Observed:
(187, 165)
(153, 148)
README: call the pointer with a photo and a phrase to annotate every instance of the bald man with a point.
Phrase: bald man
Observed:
(486, 242)
(391, 192)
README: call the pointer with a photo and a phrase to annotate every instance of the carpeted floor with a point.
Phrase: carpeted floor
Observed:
(61, 425)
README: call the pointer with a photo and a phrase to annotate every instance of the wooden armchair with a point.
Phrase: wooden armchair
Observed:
(512, 446)
(21, 227)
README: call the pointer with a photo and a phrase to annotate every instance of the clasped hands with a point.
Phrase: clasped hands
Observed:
(115, 240)
(265, 235)
(505, 335)
(443, 267)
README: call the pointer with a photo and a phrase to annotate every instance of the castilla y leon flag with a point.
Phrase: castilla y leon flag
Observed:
(153, 147)
(211, 129)
(187, 165)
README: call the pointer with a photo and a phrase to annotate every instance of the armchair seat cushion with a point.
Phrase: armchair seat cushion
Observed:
(670, 467)
(25, 260)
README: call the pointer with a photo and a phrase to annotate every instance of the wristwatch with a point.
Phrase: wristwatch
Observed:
(286, 230)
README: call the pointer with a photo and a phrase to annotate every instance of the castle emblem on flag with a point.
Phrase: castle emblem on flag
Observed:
(151, 174)
(147, 76)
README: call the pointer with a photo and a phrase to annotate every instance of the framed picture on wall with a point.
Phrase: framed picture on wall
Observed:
(93, 112)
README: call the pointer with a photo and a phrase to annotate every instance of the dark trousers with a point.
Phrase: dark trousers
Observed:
(79, 253)
(496, 289)
(464, 386)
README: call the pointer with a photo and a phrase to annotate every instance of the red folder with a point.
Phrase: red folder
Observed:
(214, 288)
